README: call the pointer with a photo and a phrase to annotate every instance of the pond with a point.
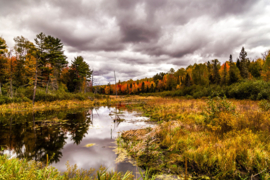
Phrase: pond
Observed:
(85, 137)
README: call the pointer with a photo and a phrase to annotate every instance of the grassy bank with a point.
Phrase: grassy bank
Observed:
(15, 169)
(26, 95)
(68, 104)
(223, 139)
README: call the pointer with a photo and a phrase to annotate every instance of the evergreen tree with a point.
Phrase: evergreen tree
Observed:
(233, 71)
(55, 58)
(143, 88)
(243, 63)
(210, 74)
(238, 64)
(152, 88)
(216, 75)
(187, 80)
(40, 55)
(79, 71)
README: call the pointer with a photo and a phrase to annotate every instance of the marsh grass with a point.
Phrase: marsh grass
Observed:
(220, 138)
(15, 169)
(67, 104)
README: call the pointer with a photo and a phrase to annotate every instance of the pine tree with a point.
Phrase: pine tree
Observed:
(55, 58)
(40, 58)
(238, 64)
(187, 80)
(216, 75)
(143, 87)
(233, 72)
(243, 63)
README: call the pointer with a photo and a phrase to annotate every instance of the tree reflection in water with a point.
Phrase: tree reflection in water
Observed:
(36, 135)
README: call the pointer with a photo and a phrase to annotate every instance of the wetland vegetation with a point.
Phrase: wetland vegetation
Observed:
(52, 114)
(215, 138)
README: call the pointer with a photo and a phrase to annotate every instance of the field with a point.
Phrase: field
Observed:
(217, 138)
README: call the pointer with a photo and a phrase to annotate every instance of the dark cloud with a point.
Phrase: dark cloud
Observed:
(133, 36)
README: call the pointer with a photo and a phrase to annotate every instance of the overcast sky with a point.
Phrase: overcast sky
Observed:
(139, 38)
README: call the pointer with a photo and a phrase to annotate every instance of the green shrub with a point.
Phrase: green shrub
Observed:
(264, 105)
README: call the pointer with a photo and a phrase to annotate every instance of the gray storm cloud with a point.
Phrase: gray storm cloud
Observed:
(137, 38)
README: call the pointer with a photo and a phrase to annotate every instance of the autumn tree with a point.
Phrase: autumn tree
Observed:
(200, 74)
(171, 81)
(255, 68)
(11, 67)
(224, 72)
(266, 69)
(23, 48)
(3, 46)
(3, 71)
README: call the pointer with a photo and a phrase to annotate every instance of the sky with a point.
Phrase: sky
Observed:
(139, 38)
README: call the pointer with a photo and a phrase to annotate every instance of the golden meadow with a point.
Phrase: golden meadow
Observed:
(217, 138)
(204, 138)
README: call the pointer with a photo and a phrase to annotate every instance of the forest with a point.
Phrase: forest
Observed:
(28, 71)
(43, 66)
(241, 79)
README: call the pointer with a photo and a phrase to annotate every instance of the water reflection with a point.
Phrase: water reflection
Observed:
(63, 136)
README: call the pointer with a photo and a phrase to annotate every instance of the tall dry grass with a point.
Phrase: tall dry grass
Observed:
(224, 139)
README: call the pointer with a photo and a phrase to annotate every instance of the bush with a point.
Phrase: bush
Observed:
(247, 89)
(215, 107)
(264, 105)
(6, 100)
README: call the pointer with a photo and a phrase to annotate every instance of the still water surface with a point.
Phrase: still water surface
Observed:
(63, 135)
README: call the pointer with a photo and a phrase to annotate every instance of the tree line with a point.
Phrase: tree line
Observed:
(203, 74)
(40, 64)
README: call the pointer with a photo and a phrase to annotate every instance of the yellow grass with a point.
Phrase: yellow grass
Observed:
(230, 143)
(68, 104)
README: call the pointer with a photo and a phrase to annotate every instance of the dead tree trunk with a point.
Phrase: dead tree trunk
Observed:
(11, 91)
(35, 84)
(47, 86)
(115, 84)
(11, 74)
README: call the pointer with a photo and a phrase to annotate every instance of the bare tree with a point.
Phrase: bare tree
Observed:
(115, 84)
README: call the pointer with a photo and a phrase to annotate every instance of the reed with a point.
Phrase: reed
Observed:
(13, 169)
(67, 104)
(220, 138)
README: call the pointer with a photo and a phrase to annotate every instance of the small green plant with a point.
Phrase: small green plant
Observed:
(264, 105)
(13, 168)
(215, 107)
(147, 174)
